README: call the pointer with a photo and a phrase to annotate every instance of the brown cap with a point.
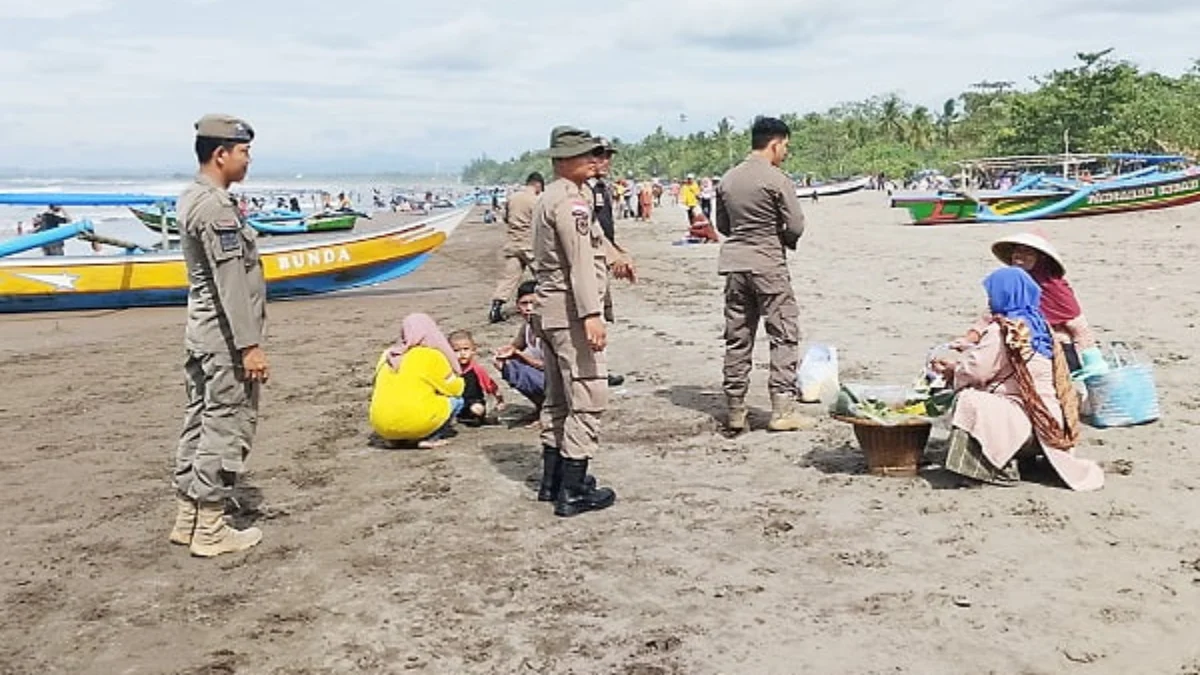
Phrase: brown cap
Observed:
(225, 128)
(571, 142)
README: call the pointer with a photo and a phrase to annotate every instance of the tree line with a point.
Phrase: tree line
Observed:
(1100, 104)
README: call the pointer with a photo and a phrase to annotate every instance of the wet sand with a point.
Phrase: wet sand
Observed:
(761, 554)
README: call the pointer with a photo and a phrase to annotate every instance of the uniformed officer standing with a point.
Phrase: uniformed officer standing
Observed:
(570, 262)
(226, 364)
(518, 242)
(602, 195)
(758, 212)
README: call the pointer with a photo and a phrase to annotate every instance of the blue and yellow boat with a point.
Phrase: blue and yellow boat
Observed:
(55, 283)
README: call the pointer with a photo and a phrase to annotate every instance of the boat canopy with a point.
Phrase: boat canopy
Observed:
(1016, 162)
(1147, 159)
(80, 199)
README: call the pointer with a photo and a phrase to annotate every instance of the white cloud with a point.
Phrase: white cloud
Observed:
(398, 84)
(49, 9)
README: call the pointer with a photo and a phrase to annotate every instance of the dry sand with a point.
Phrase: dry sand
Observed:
(761, 554)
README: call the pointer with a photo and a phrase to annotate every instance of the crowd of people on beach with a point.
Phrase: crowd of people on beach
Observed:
(1011, 373)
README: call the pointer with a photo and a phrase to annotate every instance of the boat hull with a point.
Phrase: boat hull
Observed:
(265, 224)
(1175, 189)
(157, 279)
(832, 189)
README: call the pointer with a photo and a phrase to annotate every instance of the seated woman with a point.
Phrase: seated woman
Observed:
(1015, 393)
(1059, 305)
(700, 230)
(418, 387)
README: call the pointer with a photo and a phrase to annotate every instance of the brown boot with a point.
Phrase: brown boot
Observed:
(185, 520)
(785, 416)
(214, 536)
(737, 414)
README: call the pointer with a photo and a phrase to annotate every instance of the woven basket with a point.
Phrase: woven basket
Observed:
(891, 450)
(1125, 395)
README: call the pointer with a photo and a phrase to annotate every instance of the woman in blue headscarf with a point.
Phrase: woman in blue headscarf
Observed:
(1014, 393)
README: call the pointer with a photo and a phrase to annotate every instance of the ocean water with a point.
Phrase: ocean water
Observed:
(119, 223)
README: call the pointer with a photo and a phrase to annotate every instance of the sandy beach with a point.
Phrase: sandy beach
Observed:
(755, 555)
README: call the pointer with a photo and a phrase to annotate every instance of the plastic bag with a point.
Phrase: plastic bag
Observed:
(817, 377)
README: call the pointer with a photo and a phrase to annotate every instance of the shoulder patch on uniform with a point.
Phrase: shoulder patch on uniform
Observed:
(582, 214)
(229, 240)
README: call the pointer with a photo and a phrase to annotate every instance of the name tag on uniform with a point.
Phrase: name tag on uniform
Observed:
(583, 217)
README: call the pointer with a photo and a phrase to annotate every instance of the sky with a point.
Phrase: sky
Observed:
(419, 86)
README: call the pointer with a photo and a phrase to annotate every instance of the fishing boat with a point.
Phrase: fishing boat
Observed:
(54, 283)
(832, 189)
(324, 222)
(1037, 196)
(153, 219)
(277, 222)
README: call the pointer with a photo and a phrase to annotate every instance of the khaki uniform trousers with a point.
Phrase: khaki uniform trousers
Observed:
(218, 429)
(749, 297)
(515, 265)
(576, 391)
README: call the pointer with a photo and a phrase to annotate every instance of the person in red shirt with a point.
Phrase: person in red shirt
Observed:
(478, 385)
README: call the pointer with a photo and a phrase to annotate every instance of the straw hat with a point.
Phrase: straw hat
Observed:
(1003, 248)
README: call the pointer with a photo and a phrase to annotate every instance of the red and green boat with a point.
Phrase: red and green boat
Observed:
(1039, 196)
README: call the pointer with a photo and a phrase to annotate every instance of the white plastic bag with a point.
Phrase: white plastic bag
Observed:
(817, 377)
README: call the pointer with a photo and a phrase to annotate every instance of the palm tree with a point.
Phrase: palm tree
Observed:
(946, 120)
(920, 127)
(891, 117)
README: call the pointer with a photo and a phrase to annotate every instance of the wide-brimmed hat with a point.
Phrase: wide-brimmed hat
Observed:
(1003, 248)
(566, 142)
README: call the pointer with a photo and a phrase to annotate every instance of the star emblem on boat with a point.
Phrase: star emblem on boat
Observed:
(61, 281)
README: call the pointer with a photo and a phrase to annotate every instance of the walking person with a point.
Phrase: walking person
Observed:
(518, 242)
(757, 211)
(226, 365)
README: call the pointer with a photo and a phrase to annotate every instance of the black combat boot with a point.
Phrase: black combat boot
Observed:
(497, 313)
(576, 497)
(552, 475)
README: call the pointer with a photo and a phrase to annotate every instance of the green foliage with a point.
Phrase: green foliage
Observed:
(1099, 105)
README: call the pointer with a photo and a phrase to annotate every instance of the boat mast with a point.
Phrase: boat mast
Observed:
(1066, 153)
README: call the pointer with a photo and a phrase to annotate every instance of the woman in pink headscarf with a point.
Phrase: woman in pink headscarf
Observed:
(418, 385)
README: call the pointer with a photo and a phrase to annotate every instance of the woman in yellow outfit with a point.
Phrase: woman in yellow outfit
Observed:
(418, 386)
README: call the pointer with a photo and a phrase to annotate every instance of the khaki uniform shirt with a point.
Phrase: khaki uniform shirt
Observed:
(518, 216)
(226, 290)
(569, 260)
(757, 210)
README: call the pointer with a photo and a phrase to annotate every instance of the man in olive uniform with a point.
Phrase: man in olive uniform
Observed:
(226, 364)
(570, 263)
(759, 215)
(518, 242)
